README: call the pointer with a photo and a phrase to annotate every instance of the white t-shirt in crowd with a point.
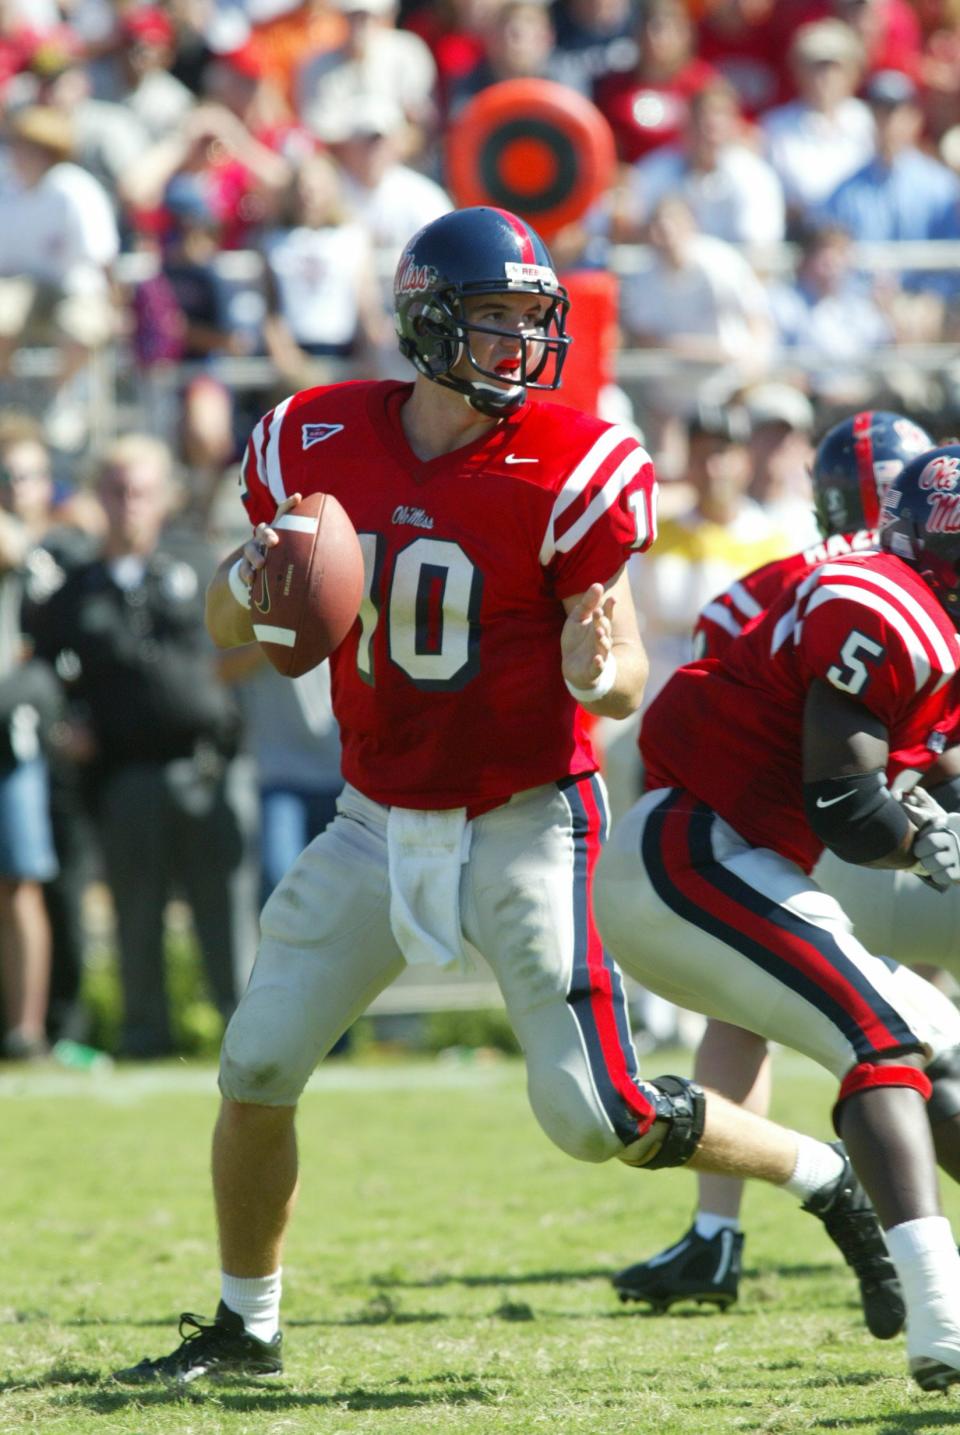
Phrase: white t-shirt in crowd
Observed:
(403, 202)
(62, 231)
(318, 272)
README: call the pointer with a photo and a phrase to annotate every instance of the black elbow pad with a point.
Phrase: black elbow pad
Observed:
(856, 817)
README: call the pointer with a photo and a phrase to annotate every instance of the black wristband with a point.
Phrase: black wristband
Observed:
(856, 817)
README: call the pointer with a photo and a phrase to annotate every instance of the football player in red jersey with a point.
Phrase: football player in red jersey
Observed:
(495, 531)
(892, 912)
(845, 690)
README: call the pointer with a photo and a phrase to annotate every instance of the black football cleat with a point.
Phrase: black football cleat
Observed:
(697, 1268)
(932, 1374)
(219, 1347)
(851, 1223)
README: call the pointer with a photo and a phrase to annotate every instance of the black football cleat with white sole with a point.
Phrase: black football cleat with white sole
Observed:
(851, 1223)
(219, 1348)
(698, 1268)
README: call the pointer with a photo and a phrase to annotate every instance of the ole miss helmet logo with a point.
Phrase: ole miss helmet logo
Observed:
(413, 278)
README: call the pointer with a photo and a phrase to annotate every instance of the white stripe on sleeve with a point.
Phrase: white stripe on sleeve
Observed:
(577, 481)
(274, 476)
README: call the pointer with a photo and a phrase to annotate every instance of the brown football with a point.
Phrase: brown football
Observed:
(305, 598)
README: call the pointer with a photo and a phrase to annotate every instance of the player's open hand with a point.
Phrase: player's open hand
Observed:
(587, 637)
(262, 539)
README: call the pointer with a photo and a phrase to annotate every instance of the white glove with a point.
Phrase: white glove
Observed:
(937, 845)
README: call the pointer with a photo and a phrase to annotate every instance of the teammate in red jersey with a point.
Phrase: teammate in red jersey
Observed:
(754, 763)
(495, 532)
(854, 463)
(892, 912)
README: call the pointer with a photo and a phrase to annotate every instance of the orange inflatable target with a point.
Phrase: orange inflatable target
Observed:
(533, 147)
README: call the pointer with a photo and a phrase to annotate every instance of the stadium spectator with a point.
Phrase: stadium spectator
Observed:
(828, 317)
(782, 420)
(29, 702)
(395, 878)
(453, 30)
(61, 527)
(701, 302)
(157, 734)
(58, 242)
(520, 44)
(278, 41)
(723, 534)
(646, 106)
(817, 140)
(107, 137)
(733, 193)
(390, 199)
(746, 41)
(323, 298)
(375, 59)
(902, 193)
(146, 87)
(889, 30)
(242, 176)
(938, 71)
(595, 37)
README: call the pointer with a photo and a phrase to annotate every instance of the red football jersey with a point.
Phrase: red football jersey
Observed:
(729, 729)
(448, 690)
(725, 617)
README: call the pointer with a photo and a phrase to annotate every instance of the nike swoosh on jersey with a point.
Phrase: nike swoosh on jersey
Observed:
(832, 801)
(515, 458)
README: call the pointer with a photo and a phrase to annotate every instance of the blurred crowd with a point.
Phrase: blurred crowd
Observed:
(204, 201)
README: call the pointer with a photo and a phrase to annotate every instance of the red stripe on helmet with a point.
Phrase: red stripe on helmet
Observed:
(528, 255)
(863, 452)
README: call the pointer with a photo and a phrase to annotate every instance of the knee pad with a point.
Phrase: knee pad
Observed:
(681, 1108)
(870, 1076)
(944, 1074)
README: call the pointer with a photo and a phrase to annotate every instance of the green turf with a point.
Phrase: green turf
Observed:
(446, 1272)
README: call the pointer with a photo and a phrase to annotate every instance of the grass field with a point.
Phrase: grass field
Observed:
(446, 1272)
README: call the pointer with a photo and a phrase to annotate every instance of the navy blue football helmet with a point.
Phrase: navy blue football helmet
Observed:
(854, 463)
(920, 521)
(466, 253)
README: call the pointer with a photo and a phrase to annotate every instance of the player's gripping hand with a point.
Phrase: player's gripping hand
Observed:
(937, 843)
(586, 640)
(260, 542)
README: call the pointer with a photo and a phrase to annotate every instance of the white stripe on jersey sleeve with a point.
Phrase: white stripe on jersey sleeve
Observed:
(577, 481)
(274, 475)
(743, 601)
(256, 443)
(722, 617)
(948, 661)
(864, 598)
(622, 475)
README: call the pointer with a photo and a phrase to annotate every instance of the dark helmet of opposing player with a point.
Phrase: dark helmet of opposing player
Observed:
(855, 462)
(473, 252)
(920, 521)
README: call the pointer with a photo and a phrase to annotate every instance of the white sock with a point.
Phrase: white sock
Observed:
(257, 1299)
(707, 1224)
(817, 1165)
(925, 1255)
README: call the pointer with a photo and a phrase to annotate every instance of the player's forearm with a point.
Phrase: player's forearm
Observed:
(626, 694)
(228, 621)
